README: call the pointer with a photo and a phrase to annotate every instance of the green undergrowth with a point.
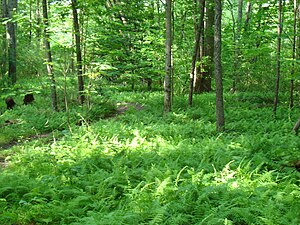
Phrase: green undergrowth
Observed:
(141, 167)
(26, 121)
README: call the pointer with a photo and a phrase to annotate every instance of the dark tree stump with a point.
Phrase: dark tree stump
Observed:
(10, 103)
(28, 99)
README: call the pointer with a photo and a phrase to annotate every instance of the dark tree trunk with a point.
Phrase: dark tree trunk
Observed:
(48, 58)
(4, 40)
(248, 13)
(168, 75)
(198, 32)
(237, 51)
(293, 56)
(207, 73)
(78, 53)
(279, 31)
(199, 69)
(11, 40)
(220, 120)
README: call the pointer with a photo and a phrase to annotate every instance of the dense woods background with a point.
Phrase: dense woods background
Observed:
(114, 111)
(124, 42)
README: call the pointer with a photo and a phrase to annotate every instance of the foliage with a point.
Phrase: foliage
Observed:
(97, 164)
(142, 168)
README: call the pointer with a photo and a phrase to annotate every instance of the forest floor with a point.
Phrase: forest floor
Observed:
(120, 109)
(130, 164)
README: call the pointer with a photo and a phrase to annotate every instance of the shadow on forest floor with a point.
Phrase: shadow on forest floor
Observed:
(121, 109)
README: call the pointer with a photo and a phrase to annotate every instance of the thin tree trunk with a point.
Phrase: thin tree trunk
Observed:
(234, 44)
(237, 51)
(4, 39)
(279, 31)
(220, 120)
(248, 13)
(293, 56)
(158, 13)
(12, 44)
(168, 76)
(207, 73)
(196, 52)
(78, 53)
(38, 24)
(30, 21)
(48, 58)
(239, 18)
(198, 81)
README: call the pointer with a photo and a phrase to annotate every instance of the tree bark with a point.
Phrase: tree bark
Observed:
(81, 96)
(220, 120)
(11, 40)
(279, 31)
(237, 51)
(198, 81)
(4, 39)
(48, 58)
(248, 13)
(239, 18)
(168, 75)
(207, 73)
(196, 51)
(38, 24)
(291, 104)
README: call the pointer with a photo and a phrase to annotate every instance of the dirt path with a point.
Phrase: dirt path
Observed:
(121, 109)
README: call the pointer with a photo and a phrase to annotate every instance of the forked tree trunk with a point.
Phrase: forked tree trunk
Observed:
(168, 75)
(199, 69)
(206, 74)
(48, 57)
(220, 120)
(279, 31)
(196, 51)
(78, 53)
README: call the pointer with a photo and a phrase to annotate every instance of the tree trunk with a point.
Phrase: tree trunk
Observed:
(4, 39)
(207, 73)
(168, 75)
(220, 120)
(248, 13)
(48, 58)
(78, 52)
(293, 56)
(239, 17)
(196, 51)
(279, 31)
(11, 40)
(237, 51)
(38, 24)
(30, 21)
(199, 69)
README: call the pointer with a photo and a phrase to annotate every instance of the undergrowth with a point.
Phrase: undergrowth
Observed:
(142, 167)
